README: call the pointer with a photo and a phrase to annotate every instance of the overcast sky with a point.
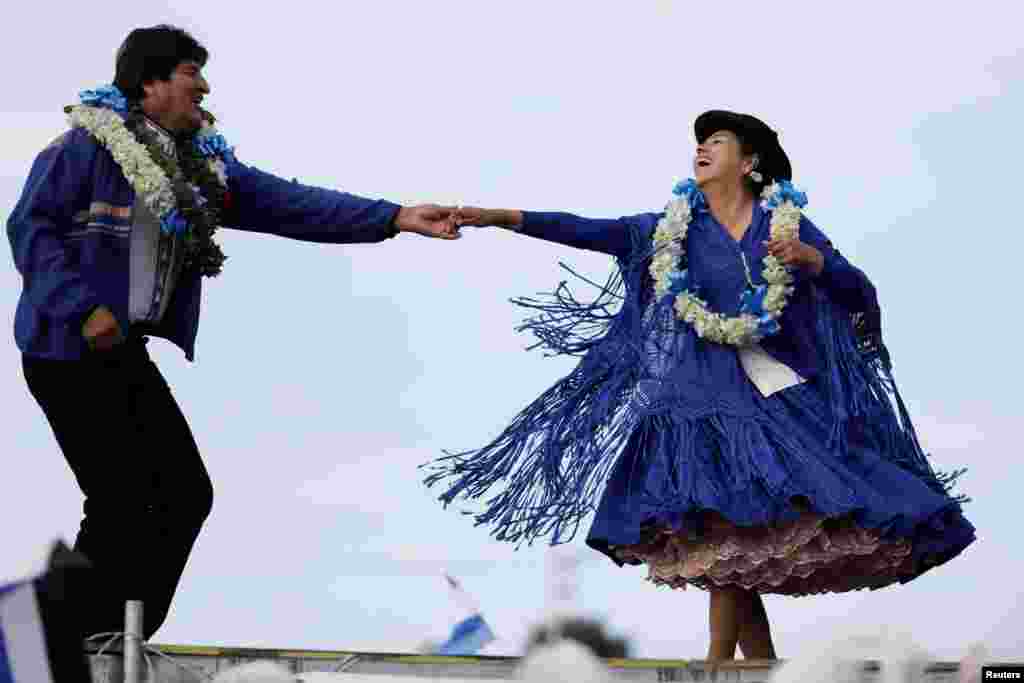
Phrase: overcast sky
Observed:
(326, 375)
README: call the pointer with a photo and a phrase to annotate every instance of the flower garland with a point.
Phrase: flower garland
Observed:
(760, 306)
(188, 193)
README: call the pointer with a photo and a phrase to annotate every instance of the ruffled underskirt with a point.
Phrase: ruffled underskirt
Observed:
(811, 555)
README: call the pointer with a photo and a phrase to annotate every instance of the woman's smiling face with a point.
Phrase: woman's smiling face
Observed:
(720, 158)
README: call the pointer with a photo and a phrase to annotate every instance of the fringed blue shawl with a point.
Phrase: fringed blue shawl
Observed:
(547, 469)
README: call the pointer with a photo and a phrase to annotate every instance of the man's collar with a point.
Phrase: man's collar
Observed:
(166, 138)
(155, 125)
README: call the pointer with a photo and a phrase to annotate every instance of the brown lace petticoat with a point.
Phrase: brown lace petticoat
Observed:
(811, 555)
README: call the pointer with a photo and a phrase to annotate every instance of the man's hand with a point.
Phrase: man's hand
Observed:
(101, 330)
(797, 253)
(430, 220)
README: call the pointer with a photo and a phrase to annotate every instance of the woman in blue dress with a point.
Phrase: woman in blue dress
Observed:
(733, 418)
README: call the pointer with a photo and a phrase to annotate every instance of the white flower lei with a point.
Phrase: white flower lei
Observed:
(762, 305)
(146, 177)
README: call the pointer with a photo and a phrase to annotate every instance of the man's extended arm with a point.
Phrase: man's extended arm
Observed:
(262, 202)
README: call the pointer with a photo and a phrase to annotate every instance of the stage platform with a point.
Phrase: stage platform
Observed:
(385, 667)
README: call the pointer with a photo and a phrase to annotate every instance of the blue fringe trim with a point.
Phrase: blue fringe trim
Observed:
(568, 326)
(860, 383)
(557, 453)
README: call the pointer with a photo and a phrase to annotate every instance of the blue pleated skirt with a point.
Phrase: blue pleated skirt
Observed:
(762, 493)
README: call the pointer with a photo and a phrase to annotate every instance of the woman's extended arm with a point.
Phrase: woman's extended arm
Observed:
(606, 235)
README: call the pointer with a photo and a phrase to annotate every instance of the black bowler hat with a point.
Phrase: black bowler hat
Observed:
(773, 163)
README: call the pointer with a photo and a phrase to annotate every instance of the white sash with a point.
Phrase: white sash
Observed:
(767, 374)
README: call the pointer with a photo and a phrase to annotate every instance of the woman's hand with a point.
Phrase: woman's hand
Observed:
(797, 253)
(470, 215)
(477, 217)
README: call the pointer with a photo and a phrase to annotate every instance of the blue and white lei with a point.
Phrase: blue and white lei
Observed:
(102, 113)
(761, 305)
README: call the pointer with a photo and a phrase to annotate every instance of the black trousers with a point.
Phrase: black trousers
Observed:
(147, 492)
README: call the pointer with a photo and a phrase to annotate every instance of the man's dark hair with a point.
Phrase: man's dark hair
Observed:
(590, 634)
(150, 54)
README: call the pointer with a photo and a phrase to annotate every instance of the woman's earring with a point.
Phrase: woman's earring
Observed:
(754, 175)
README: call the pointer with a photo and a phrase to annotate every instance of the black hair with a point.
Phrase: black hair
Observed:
(590, 634)
(150, 54)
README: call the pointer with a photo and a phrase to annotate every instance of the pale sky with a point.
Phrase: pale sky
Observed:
(326, 375)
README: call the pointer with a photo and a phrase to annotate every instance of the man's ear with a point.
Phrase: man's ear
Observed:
(148, 88)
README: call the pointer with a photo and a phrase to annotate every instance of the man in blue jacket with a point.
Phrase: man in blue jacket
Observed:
(112, 235)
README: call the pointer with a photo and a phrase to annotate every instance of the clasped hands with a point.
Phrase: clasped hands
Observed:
(443, 222)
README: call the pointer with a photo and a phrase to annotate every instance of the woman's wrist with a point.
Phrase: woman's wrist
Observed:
(511, 219)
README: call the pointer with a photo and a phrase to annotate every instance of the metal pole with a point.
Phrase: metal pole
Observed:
(133, 641)
(563, 580)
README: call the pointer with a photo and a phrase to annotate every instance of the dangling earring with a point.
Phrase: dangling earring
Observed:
(754, 175)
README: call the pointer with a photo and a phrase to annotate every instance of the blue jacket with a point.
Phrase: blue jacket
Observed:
(795, 343)
(70, 237)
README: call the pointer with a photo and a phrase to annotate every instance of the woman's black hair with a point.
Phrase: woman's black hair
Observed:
(150, 54)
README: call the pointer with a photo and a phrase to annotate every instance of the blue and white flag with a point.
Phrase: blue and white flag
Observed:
(468, 637)
(471, 634)
(23, 655)
(40, 641)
